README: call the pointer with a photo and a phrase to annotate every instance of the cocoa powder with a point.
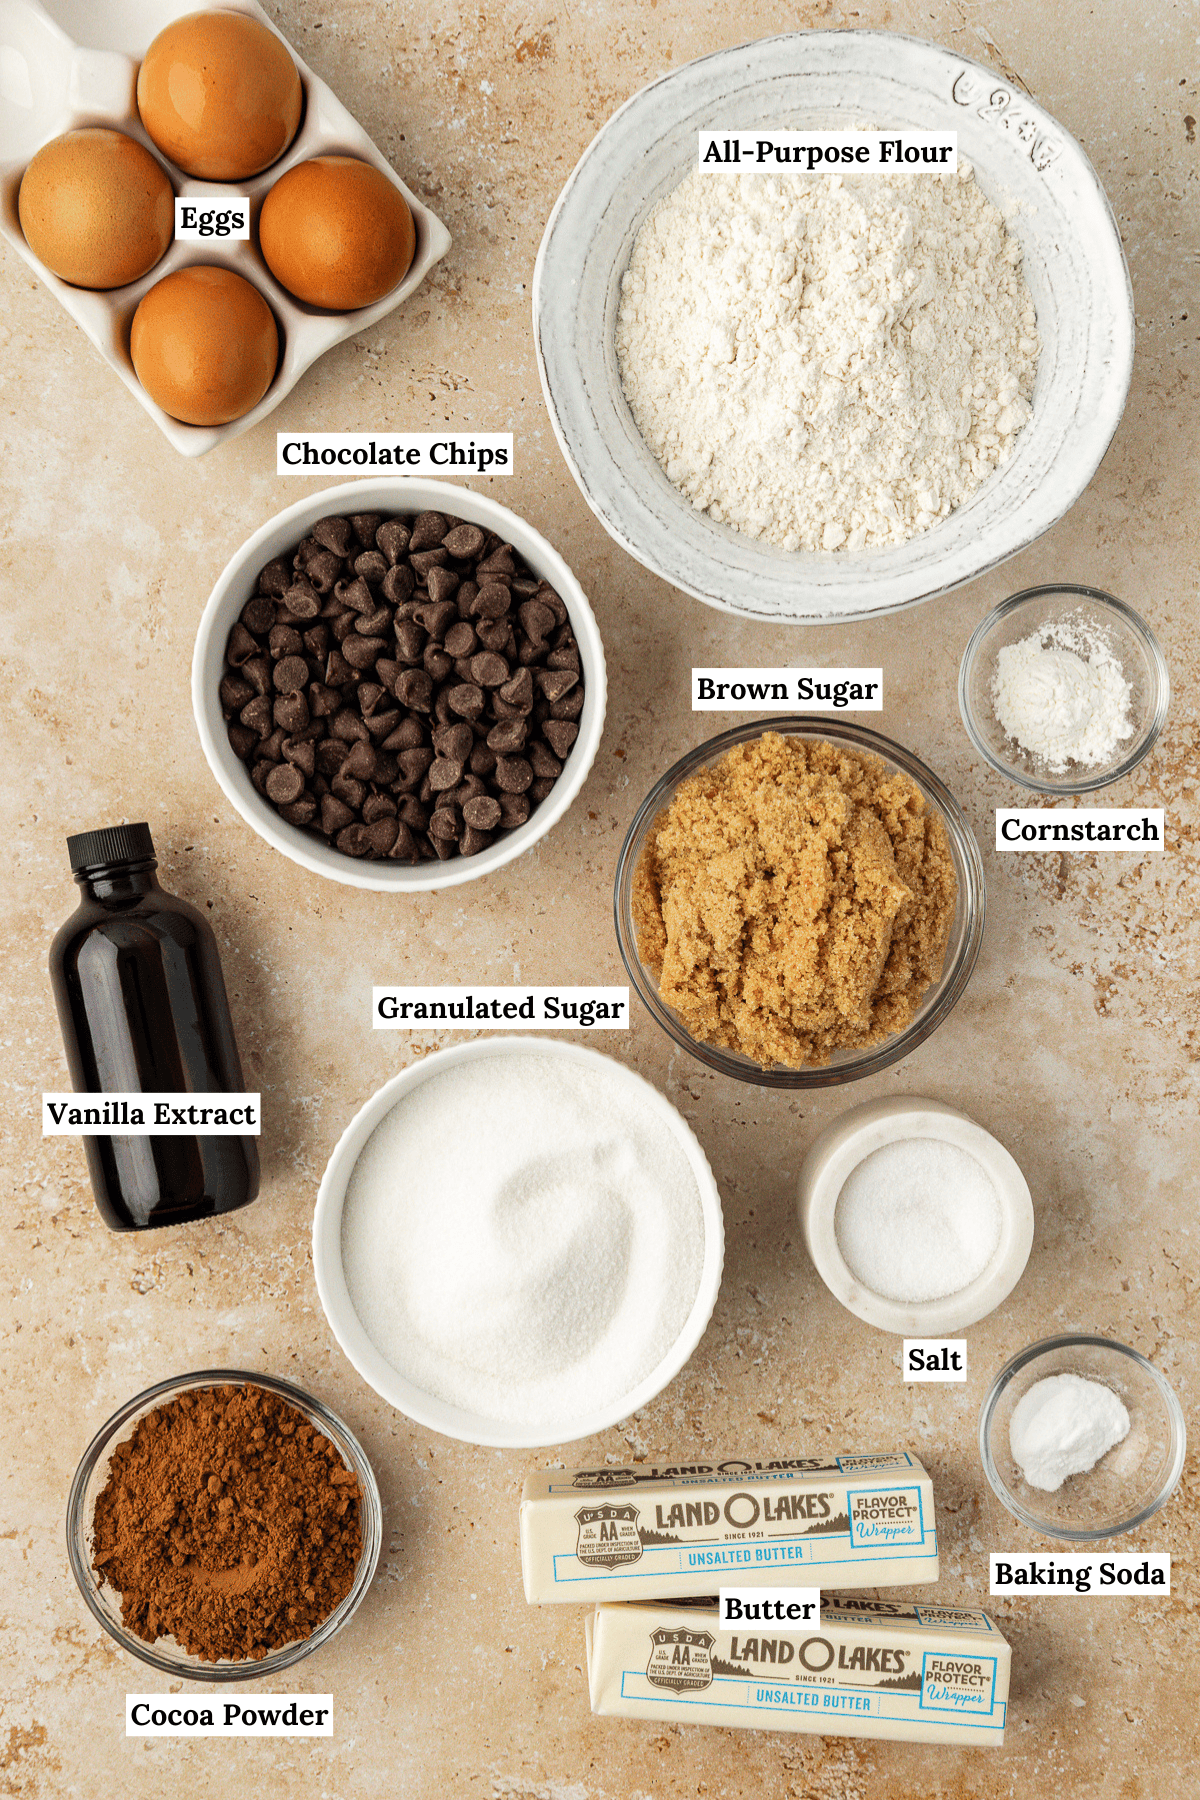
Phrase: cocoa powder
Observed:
(229, 1523)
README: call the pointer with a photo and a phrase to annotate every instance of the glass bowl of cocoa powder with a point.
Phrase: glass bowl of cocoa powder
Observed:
(223, 1525)
(799, 904)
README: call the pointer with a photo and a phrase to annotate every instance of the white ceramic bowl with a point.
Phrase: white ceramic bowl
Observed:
(399, 494)
(426, 1409)
(1073, 263)
(865, 1129)
(68, 63)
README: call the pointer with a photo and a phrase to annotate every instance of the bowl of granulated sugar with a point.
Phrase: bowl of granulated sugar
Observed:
(518, 1242)
(808, 396)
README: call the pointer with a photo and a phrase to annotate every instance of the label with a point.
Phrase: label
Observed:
(935, 1359)
(227, 218)
(151, 1115)
(885, 1515)
(1067, 828)
(409, 452)
(782, 690)
(1128, 1575)
(517, 1009)
(832, 152)
(790, 1610)
(250, 1715)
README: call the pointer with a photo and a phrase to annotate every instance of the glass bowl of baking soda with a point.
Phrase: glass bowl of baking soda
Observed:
(1063, 689)
(1082, 1438)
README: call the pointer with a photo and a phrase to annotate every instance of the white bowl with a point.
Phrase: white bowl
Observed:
(372, 1365)
(865, 1129)
(64, 84)
(236, 583)
(1073, 263)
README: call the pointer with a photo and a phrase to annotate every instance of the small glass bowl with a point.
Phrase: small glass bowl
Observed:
(1132, 643)
(90, 1477)
(962, 948)
(1129, 1484)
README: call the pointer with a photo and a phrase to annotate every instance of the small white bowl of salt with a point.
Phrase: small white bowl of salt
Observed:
(916, 1218)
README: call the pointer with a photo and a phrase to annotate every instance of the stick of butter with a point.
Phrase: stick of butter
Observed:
(875, 1668)
(643, 1533)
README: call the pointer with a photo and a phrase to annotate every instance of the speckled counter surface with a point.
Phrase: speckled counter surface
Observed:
(1077, 1043)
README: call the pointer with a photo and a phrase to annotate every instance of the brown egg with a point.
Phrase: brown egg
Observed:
(336, 233)
(204, 345)
(220, 95)
(96, 208)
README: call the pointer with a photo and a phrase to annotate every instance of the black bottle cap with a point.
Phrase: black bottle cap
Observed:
(112, 844)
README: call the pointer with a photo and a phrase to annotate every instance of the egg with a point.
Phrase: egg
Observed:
(205, 345)
(335, 232)
(220, 95)
(96, 208)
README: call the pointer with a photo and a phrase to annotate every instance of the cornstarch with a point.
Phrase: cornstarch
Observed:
(522, 1236)
(827, 362)
(1062, 695)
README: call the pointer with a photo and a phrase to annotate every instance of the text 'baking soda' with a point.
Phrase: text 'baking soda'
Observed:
(1129, 1575)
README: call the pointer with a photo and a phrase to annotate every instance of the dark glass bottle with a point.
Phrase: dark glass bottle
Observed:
(141, 1001)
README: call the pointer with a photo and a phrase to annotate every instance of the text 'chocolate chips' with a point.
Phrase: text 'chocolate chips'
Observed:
(406, 689)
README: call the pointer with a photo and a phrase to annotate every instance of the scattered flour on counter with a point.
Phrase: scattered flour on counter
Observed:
(827, 362)
(523, 1236)
(1062, 695)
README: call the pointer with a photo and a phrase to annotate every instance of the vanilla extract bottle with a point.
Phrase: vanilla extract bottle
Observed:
(141, 1001)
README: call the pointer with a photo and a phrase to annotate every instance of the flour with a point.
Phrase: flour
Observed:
(827, 362)
(1062, 695)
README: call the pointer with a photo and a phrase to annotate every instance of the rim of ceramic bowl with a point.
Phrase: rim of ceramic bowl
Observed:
(424, 1408)
(181, 1664)
(1155, 659)
(1110, 362)
(972, 899)
(401, 493)
(1171, 1406)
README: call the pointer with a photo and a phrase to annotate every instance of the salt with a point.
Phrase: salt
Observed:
(917, 1220)
(523, 1237)
(1062, 1426)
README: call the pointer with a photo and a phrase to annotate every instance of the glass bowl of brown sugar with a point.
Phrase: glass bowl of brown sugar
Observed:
(799, 904)
(223, 1525)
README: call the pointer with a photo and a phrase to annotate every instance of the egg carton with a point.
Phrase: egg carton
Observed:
(52, 82)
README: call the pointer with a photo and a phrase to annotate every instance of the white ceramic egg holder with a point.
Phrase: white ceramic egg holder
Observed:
(51, 82)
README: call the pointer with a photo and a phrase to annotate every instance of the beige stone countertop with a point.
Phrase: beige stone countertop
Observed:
(1077, 1042)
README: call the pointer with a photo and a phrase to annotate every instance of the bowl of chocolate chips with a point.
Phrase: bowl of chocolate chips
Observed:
(399, 684)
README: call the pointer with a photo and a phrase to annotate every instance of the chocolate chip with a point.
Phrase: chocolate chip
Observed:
(415, 690)
(554, 683)
(302, 600)
(335, 815)
(392, 538)
(285, 783)
(243, 741)
(500, 562)
(323, 569)
(444, 823)
(291, 712)
(361, 652)
(241, 646)
(421, 561)
(560, 734)
(491, 602)
(258, 614)
(513, 774)
(355, 840)
(488, 669)
(303, 754)
(464, 542)
(508, 736)
(235, 693)
(257, 716)
(514, 810)
(483, 812)
(398, 584)
(429, 528)
(291, 674)
(363, 762)
(366, 524)
(336, 534)
(414, 766)
(404, 849)
(442, 585)
(545, 765)
(374, 624)
(460, 640)
(518, 692)
(276, 578)
(348, 726)
(455, 742)
(408, 735)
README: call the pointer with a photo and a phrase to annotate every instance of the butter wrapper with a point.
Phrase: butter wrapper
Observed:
(657, 1533)
(875, 1668)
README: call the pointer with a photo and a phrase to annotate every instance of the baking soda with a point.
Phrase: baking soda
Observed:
(523, 1237)
(917, 1220)
(1062, 1426)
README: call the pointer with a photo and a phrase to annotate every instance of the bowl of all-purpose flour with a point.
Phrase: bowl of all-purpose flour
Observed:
(1082, 1438)
(1064, 689)
(808, 397)
(518, 1242)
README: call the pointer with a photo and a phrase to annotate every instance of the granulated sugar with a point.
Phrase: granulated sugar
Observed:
(917, 1220)
(523, 1237)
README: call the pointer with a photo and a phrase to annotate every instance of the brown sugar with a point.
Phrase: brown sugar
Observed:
(227, 1522)
(795, 899)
